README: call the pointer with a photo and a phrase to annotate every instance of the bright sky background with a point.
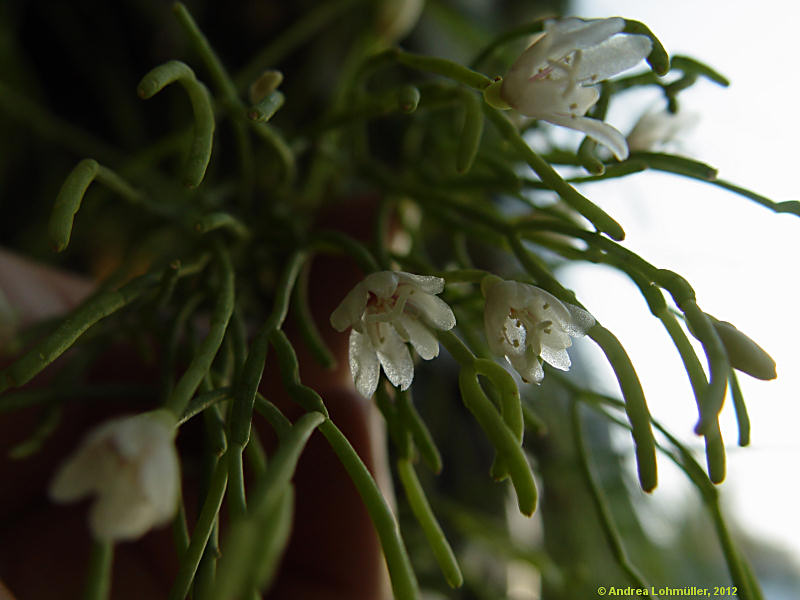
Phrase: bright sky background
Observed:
(739, 257)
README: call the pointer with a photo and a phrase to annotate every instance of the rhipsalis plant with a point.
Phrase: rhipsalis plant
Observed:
(310, 228)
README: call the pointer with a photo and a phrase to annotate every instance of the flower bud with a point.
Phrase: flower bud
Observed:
(743, 353)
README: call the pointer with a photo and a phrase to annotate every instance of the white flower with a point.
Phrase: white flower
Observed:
(396, 18)
(386, 310)
(130, 464)
(658, 129)
(552, 79)
(524, 323)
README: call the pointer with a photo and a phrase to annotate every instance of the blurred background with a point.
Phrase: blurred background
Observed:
(738, 256)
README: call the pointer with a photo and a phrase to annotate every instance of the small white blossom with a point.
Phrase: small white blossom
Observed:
(553, 79)
(656, 130)
(525, 324)
(386, 310)
(131, 466)
(396, 18)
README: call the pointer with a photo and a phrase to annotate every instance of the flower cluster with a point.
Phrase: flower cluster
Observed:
(386, 310)
(553, 79)
(525, 324)
(130, 464)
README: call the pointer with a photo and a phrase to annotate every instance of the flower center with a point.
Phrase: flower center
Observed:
(384, 309)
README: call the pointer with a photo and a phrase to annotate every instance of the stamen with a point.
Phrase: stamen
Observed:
(400, 297)
(572, 74)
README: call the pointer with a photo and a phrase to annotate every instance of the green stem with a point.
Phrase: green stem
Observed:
(503, 439)
(457, 349)
(70, 197)
(236, 491)
(201, 45)
(236, 569)
(247, 385)
(787, 206)
(430, 526)
(598, 217)
(525, 30)
(658, 59)
(308, 326)
(471, 131)
(613, 536)
(227, 89)
(289, 368)
(268, 553)
(404, 582)
(635, 405)
(204, 124)
(679, 165)
(715, 449)
(348, 245)
(202, 531)
(72, 327)
(737, 566)
(441, 66)
(280, 147)
(718, 364)
(742, 418)
(274, 417)
(98, 577)
(207, 350)
(217, 220)
(419, 431)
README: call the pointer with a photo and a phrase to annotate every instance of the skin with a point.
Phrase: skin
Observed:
(333, 553)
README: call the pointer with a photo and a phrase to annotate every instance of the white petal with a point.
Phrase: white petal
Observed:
(528, 63)
(612, 56)
(159, 479)
(543, 97)
(426, 283)
(528, 366)
(580, 321)
(543, 304)
(423, 340)
(364, 365)
(395, 358)
(557, 358)
(121, 512)
(573, 33)
(381, 283)
(435, 310)
(557, 339)
(350, 309)
(601, 132)
(494, 333)
(80, 474)
(654, 130)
